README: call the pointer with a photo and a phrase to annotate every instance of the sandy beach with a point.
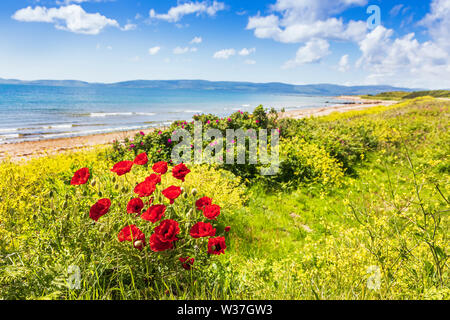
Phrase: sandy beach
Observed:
(359, 104)
(30, 149)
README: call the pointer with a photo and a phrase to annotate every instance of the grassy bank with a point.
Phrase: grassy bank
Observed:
(402, 95)
(359, 211)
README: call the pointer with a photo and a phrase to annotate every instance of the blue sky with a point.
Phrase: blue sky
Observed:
(293, 41)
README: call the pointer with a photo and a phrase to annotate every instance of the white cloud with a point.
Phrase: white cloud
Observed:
(196, 40)
(154, 50)
(246, 52)
(299, 21)
(175, 14)
(343, 64)
(404, 61)
(129, 27)
(224, 54)
(313, 51)
(70, 18)
(438, 22)
(180, 50)
(77, 1)
(396, 10)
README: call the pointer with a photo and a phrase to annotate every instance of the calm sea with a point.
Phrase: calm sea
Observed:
(42, 112)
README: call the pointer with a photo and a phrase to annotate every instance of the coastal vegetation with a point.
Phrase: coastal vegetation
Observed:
(359, 210)
(403, 95)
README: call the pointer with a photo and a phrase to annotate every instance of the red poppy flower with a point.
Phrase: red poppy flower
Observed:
(202, 229)
(99, 209)
(180, 171)
(167, 231)
(122, 167)
(187, 262)
(145, 189)
(203, 202)
(227, 229)
(154, 178)
(160, 167)
(141, 159)
(80, 177)
(157, 245)
(211, 211)
(154, 213)
(172, 193)
(216, 245)
(135, 205)
(132, 234)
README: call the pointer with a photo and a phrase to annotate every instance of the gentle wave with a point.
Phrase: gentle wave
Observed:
(9, 136)
(192, 111)
(114, 114)
(9, 129)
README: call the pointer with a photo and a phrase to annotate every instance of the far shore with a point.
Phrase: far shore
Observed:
(31, 149)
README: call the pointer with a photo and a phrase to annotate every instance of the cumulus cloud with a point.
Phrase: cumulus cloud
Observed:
(154, 50)
(196, 40)
(70, 18)
(312, 52)
(224, 54)
(404, 61)
(180, 50)
(437, 22)
(175, 14)
(299, 21)
(247, 52)
(129, 27)
(344, 66)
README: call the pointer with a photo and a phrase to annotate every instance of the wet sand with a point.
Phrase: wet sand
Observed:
(30, 149)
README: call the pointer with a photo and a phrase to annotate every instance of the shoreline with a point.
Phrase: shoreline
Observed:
(359, 104)
(32, 149)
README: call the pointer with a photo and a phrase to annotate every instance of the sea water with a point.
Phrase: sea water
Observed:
(30, 112)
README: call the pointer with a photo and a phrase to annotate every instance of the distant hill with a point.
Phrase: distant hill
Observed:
(273, 87)
(401, 95)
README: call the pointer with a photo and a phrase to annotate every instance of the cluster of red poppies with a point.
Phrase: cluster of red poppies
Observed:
(165, 234)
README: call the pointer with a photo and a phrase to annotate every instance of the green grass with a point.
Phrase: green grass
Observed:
(296, 238)
(402, 95)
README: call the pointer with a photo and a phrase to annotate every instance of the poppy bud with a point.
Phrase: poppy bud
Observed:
(53, 212)
(93, 183)
(116, 186)
(124, 189)
(138, 244)
(114, 179)
(194, 192)
(85, 193)
(50, 194)
(65, 205)
(100, 194)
